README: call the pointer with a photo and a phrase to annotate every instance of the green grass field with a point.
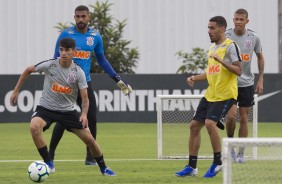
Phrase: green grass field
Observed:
(130, 149)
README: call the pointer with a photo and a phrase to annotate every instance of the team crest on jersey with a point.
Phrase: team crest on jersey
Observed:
(90, 41)
(248, 44)
(71, 78)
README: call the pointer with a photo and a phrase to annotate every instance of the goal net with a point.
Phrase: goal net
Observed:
(174, 113)
(264, 168)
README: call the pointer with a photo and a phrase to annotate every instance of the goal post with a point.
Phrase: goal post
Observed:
(174, 113)
(264, 168)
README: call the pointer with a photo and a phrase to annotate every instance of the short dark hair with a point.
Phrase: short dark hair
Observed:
(242, 11)
(219, 21)
(67, 43)
(81, 8)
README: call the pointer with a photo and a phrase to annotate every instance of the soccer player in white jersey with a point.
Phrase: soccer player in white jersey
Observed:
(63, 81)
(249, 43)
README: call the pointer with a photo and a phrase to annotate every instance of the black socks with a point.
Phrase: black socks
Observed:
(193, 161)
(44, 154)
(100, 161)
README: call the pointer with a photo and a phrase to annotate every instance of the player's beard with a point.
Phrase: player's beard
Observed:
(212, 39)
(81, 25)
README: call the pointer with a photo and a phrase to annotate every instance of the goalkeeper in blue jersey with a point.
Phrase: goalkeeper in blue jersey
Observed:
(88, 41)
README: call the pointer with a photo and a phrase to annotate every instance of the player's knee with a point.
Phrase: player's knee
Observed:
(89, 141)
(243, 116)
(210, 124)
(230, 118)
(194, 126)
(34, 129)
(231, 115)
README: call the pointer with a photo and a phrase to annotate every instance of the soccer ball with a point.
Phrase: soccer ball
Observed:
(38, 171)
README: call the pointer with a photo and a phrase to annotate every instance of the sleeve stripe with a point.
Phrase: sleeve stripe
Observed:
(237, 51)
(43, 62)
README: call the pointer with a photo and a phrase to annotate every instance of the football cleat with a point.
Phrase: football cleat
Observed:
(91, 162)
(108, 172)
(51, 167)
(220, 124)
(213, 170)
(187, 171)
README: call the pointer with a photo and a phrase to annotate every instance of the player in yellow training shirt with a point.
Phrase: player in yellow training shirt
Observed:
(224, 65)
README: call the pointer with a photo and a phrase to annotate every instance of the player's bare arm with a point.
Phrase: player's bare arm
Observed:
(84, 107)
(24, 75)
(235, 67)
(259, 86)
(191, 80)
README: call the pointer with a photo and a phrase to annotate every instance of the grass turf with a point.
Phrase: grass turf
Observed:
(130, 149)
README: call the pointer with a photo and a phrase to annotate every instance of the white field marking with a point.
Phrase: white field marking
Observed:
(137, 159)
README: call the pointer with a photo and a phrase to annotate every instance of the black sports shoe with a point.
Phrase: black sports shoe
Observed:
(220, 124)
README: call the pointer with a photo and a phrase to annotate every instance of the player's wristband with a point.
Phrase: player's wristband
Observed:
(116, 78)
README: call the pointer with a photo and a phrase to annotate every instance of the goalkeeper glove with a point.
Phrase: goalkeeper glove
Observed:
(124, 87)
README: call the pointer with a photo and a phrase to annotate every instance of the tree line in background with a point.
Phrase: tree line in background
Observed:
(194, 62)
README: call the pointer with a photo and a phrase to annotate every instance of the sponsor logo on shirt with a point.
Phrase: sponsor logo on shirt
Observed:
(81, 54)
(214, 69)
(61, 89)
(245, 57)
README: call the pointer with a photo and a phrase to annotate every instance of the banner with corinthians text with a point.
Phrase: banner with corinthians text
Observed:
(139, 106)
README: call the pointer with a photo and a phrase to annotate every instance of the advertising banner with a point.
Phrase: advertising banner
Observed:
(139, 106)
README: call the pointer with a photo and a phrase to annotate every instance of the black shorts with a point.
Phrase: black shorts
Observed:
(246, 96)
(212, 110)
(69, 119)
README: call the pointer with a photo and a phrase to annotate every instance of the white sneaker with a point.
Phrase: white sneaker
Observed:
(240, 158)
(233, 155)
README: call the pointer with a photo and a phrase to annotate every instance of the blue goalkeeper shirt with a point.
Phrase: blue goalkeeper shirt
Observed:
(86, 44)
